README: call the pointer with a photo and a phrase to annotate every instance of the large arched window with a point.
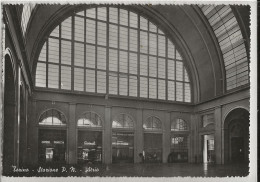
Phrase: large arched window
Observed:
(152, 123)
(123, 121)
(89, 119)
(179, 125)
(52, 117)
(113, 51)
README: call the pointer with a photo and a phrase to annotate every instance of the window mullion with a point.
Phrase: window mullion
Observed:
(118, 52)
(157, 94)
(138, 57)
(128, 54)
(183, 87)
(107, 53)
(96, 51)
(47, 62)
(72, 52)
(148, 60)
(85, 53)
(175, 84)
(59, 58)
(166, 69)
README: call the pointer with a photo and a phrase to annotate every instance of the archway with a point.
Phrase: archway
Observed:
(236, 136)
(9, 117)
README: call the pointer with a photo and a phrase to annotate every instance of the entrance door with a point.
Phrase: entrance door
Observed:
(153, 147)
(52, 146)
(237, 149)
(122, 147)
(208, 149)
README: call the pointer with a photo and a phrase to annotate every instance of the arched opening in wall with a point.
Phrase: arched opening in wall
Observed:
(123, 139)
(52, 140)
(179, 141)
(153, 140)
(236, 136)
(9, 117)
(89, 139)
(23, 129)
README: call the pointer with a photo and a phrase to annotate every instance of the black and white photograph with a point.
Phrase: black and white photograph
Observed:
(99, 91)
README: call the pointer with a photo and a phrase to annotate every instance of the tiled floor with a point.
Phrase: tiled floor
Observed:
(145, 170)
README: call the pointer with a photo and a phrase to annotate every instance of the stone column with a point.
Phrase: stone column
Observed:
(194, 139)
(138, 141)
(218, 134)
(72, 138)
(166, 137)
(107, 144)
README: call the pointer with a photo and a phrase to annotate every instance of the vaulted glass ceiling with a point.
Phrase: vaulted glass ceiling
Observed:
(231, 42)
(107, 50)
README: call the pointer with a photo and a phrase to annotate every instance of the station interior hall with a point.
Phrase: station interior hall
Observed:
(126, 87)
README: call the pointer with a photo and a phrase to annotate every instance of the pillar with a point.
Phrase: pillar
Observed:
(218, 135)
(72, 138)
(138, 140)
(166, 137)
(107, 159)
(194, 140)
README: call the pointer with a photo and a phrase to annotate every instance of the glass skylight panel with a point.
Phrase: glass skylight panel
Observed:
(79, 29)
(90, 56)
(53, 50)
(152, 44)
(90, 80)
(171, 90)
(143, 65)
(133, 63)
(42, 56)
(152, 27)
(123, 84)
(133, 86)
(143, 87)
(101, 58)
(171, 69)
(91, 13)
(56, 32)
(113, 60)
(179, 91)
(143, 23)
(179, 71)
(161, 89)
(123, 38)
(161, 68)
(53, 76)
(152, 66)
(113, 83)
(123, 62)
(113, 15)
(133, 40)
(41, 75)
(178, 56)
(90, 31)
(171, 50)
(65, 77)
(81, 13)
(123, 17)
(79, 54)
(143, 42)
(187, 92)
(101, 82)
(152, 88)
(161, 45)
(79, 79)
(102, 33)
(113, 36)
(66, 29)
(102, 13)
(133, 20)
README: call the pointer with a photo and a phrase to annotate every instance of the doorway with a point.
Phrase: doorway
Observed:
(208, 148)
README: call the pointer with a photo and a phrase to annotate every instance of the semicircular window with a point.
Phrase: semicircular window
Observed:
(179, 125)
(108, 50)
(52, 117)
(123, 121)
(90, 119)
(152, 123)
